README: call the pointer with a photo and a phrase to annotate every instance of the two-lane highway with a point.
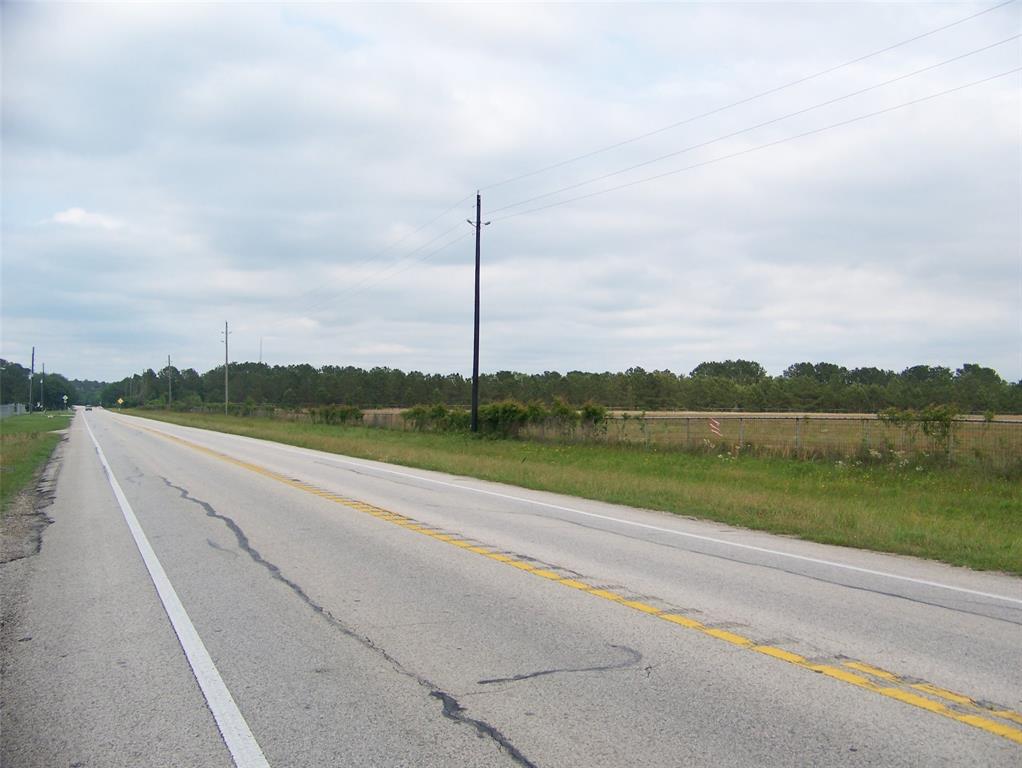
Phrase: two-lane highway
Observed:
(207, 599)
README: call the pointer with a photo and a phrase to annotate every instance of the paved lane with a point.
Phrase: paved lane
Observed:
(364, 614)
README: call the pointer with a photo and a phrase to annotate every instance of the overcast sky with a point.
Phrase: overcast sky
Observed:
(168, 167)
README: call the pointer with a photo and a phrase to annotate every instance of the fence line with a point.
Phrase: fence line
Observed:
(995, 443)
(12, 409)
(970, 439)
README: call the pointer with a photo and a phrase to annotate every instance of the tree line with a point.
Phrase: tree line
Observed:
(48, 390)
(721, 385)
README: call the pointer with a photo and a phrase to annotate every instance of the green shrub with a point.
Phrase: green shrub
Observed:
(336, 414)
(593, 414)
(437, 418)
(562, 414)
(503, 419)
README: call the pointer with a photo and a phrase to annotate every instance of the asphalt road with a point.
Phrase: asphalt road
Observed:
(208, 600)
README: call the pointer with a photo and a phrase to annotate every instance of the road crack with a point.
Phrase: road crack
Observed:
(632, 660)
(452, 710)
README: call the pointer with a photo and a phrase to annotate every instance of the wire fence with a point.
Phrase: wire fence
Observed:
(989, 442)
(993, 442)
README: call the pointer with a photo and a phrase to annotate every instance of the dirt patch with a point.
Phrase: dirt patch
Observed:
(25, 519)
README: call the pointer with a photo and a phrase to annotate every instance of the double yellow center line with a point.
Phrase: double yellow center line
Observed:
(955, 706)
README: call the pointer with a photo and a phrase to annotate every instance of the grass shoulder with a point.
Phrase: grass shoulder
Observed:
(26, 443)
(961, 516)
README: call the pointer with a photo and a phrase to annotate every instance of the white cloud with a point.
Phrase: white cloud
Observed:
(79, 217)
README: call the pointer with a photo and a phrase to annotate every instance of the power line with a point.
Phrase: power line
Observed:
(761, 146)
(753, 127)
(746, 100)
(421, 259)
(375, 280)
(371, 278)
(375, 255)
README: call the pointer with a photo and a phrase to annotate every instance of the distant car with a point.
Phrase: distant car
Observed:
(88, 407)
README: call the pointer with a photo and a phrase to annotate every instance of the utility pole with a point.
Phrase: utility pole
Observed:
(170, 384)
(226, 364)
(475, 339)
(31, 377)
(42, 388)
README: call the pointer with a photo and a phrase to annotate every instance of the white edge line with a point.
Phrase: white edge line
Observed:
(244, 749)
(750, 547)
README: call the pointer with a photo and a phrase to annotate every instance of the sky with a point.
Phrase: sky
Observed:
(305, 172)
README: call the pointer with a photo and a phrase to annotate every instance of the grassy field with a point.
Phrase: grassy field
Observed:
(974, 440)
(26, 442)
(958, 515)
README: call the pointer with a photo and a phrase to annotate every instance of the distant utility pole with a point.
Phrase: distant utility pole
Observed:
(31, 377)
(226, 364)
(479, 224)
(170, 384)
(260, 350)
(42, 388)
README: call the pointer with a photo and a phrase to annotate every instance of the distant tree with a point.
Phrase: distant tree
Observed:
(89, 391)
(926, 373)
(979, 389)
(716, 385)
(53, 392)
(869, 376)
(739, 371)
(13, 382)
(821, 372)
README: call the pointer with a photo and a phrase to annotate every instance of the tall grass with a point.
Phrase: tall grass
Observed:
(958, 515)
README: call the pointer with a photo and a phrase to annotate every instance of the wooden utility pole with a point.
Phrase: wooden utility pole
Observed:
(170, 384)
(479, 224)
(226, 363)
(31, 376)
(475, 337)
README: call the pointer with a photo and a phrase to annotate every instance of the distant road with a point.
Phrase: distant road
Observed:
(204, 599)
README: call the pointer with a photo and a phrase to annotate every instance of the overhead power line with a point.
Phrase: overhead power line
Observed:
(761, 146)
(347, 289)
(394, 269)
(745, 100)
(393, 244)
(763, 124)
(420, 259)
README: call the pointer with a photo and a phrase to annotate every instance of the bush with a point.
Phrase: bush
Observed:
(437, 418)
(562, 414)
(593, 414)
(503, 419)
(336, 414)
(506, 418)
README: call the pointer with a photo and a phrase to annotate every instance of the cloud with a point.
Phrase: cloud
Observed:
(277, 166)
(79, 217)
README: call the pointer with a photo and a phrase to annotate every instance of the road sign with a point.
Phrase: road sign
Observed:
(120, 401)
